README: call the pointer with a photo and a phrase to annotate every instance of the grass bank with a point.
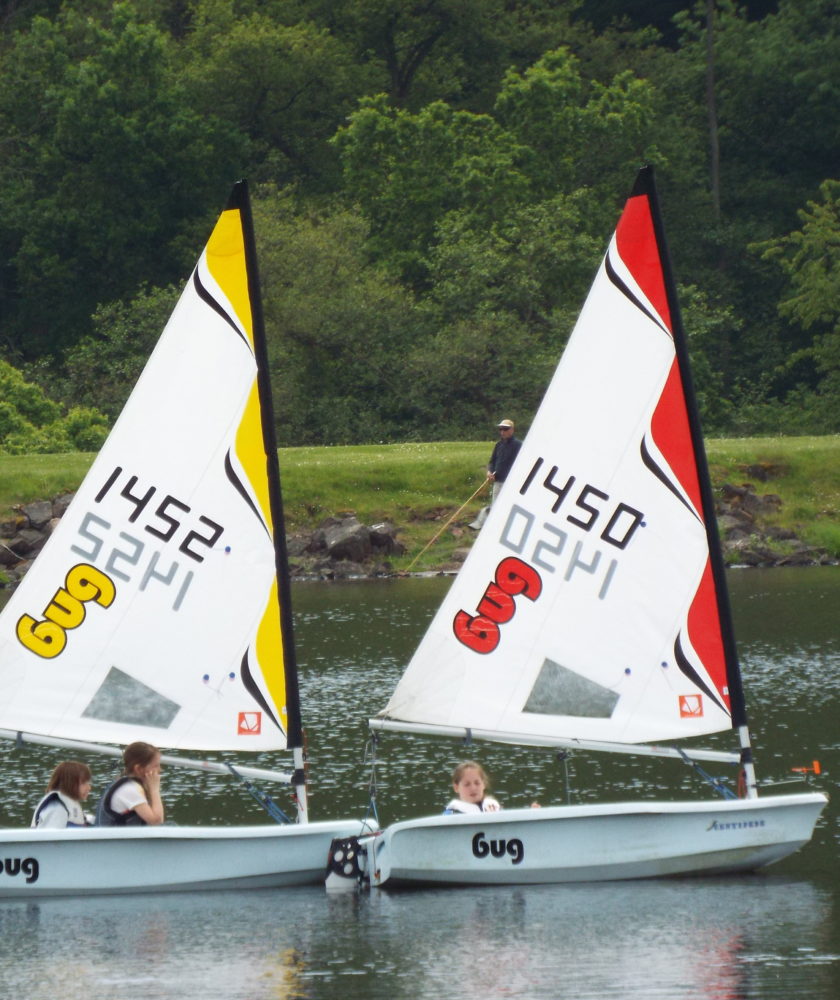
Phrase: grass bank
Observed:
(419, 486)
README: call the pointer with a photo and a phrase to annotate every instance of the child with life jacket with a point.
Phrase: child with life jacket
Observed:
(470, 782)
(68, 787)
(134, 799)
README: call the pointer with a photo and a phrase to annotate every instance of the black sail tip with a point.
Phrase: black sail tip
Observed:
(644, 181)
(238, 195)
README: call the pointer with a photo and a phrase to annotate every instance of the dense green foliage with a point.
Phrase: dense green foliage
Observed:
(433, 187)
(32, 424)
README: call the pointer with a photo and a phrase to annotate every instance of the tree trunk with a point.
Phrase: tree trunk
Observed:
(711, 110)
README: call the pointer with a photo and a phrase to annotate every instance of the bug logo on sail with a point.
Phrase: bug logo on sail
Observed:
(480, 632)
(47, 637)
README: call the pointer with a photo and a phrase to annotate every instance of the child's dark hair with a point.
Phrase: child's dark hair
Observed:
(68, 777)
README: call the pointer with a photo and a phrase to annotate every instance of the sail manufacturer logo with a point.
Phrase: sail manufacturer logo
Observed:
(249, 724)
(691, 706)
(47, 637)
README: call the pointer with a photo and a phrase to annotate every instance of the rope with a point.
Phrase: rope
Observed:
(445, 526)
(717, 783)
(270, 806)
(370, 752)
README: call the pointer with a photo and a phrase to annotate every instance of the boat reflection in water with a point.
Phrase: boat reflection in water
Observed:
(684, 940)
(771, 936)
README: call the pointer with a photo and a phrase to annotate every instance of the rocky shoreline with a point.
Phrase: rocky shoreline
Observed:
(342, 548)
(339, 548)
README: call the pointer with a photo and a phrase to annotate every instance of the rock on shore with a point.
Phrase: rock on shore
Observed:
(24, 535)
(339, 548)
(747, 540)
(342, 548)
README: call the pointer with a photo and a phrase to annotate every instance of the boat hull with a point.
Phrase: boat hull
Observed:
(111, 860)
(593, 843)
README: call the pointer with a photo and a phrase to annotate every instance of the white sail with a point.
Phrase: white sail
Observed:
(153, 611)
(587, 608)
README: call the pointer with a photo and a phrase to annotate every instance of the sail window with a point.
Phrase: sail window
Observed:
(560, 691)
(122, 698)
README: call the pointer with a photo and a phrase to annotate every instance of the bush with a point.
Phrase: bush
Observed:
(31, 423)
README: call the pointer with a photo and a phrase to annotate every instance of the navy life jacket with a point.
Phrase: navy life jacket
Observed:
(106, 816)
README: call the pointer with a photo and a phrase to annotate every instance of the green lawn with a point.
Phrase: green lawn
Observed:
(419, 487)
(803, 471)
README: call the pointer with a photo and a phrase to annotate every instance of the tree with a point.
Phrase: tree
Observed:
(338, 326)
(286, 86)
(579, 132)
(810, 259)
(102, 368)
(31, 423)
(450, 50)
(497, 222)
(774, 79)
(108, 168)
(406, 171)
(551, 132)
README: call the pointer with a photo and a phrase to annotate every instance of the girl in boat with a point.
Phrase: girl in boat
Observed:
(134, 799)
(68, 787)
(470, 782)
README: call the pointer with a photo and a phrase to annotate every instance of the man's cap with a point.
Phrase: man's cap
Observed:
(505, 423)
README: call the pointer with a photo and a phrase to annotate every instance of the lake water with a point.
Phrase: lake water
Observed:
(771, 935)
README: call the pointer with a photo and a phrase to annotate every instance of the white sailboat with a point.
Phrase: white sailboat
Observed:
(160, 608)
(592, 613)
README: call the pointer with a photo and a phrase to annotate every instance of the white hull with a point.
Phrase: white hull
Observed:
(107, 860)
(593, 843)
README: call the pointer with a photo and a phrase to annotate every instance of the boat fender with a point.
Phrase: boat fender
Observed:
(344, 864)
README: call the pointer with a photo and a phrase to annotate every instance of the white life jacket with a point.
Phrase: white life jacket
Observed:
(487, 804)
(75, 813)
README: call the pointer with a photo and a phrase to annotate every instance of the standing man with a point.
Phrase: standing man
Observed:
(505, 451)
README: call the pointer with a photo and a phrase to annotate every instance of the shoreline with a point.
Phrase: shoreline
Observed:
(341, 547)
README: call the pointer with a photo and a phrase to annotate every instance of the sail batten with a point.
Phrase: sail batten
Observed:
(155, 611)
(590, 607)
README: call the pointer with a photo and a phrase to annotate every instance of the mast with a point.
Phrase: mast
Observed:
(645, 185)
(240, 200)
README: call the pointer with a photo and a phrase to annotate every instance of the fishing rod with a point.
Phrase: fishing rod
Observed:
(445, 526)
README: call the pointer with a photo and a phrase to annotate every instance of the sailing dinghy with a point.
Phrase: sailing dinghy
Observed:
(592, 614)
(160, 609)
